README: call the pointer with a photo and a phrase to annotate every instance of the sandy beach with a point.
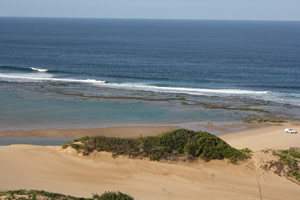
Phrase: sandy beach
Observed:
(64, 171)
(119, 131)
(269, 136)
(127, 131)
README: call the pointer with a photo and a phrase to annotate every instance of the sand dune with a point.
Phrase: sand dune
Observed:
(64, 171)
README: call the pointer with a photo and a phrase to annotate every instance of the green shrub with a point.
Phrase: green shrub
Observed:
(247, 151)
(75, 146)
(164, 146)
(31, 194)
(289, 159)
(292, 153)
(112, 196)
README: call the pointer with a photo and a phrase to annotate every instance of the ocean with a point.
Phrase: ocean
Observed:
(48, 65)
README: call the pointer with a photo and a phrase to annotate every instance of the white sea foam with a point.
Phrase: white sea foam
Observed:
(193, 91)
(32, 77)
(129, 86)
(284, 98)
(39, 70)
(262, 95)
(24, 77)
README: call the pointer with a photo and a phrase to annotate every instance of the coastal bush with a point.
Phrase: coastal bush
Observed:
(41, 194)
(82, 139)
(287, 164)
(197, 144)
(75, 146)
(292, 153)
(112, 196)
(170, 145)
(34, 194)
(247, 151)
(289, 157)
(64, 146)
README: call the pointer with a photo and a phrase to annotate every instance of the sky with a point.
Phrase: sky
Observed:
(155, 9)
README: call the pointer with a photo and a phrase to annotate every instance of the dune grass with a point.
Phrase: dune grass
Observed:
(287, 165)
(290, 159)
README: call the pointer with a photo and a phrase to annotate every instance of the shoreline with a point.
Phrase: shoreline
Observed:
(256, 136)
(130, 131)
(268, 136)
(42, 108)
(121, 131)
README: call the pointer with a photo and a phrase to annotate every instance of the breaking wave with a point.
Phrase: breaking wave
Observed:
(126, 86)
(39, 70)
(26, 69)
(32, 77)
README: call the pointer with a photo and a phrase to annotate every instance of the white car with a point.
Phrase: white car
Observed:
(290, 130)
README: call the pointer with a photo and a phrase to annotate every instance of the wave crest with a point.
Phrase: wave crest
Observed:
(28, 69)
(131, 86)
(41, 78)
(39, 70)
(192, 91)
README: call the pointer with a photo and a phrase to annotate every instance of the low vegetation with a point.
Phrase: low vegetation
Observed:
(287, 164)
(40, 194)
(247, 151)
(112, 196)
(180, 144)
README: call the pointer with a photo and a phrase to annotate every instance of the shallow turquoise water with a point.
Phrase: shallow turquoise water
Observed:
(23, 110)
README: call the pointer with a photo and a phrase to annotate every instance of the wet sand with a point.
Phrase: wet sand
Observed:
(120, 131)
(128, 131)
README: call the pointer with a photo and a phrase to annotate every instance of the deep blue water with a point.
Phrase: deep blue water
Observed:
(260, 59)
(247, 59)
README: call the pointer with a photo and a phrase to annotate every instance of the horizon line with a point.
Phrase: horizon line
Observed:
(191, 19)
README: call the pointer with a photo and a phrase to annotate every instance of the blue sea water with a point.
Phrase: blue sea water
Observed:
(33, 111)
(252, 59)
